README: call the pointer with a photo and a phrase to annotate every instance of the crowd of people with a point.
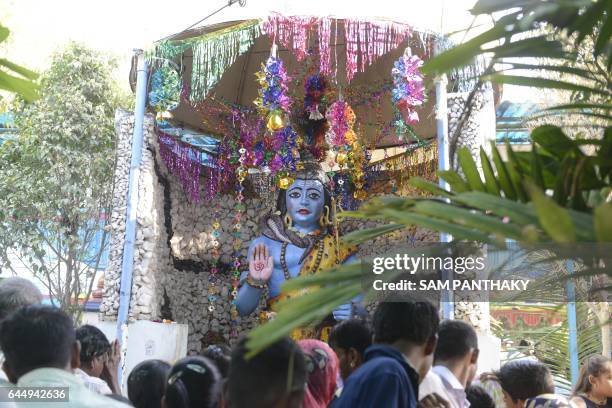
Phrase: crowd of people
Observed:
(405, 357)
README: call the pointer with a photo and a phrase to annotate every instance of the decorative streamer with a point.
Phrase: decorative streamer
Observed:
(183, 161)
(215, 52)
(366, 41)
(291, 32)
(241, 174)
(369, 41)
(324, 39)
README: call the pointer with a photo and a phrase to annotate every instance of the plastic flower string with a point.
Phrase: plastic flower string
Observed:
(165, 91)
(273, 101)
(408, 91)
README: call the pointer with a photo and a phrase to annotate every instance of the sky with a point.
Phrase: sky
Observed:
(39, 27)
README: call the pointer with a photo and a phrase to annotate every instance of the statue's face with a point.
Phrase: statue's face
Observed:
(305, 201)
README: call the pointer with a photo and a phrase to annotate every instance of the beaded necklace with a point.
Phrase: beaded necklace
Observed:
(316, 264)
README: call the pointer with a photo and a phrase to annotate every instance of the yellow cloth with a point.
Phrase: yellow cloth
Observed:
(330, 258)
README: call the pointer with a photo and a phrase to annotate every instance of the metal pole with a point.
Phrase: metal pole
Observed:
(446, 301)
(127, 265)
(572, 328)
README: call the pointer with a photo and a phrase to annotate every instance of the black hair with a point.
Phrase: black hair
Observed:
(35, 337)
(524, 379)
(193, 382)
(121, 398)
(594, 365)
(478, 397)
(456, 338)
(146, 383)
(262, 380)
(220, 355)
(414, 322)
(351, 333)
(93, 344)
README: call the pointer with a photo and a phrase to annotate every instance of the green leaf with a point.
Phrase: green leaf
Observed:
(519, 213)
(459, 232)
(491, 184)
(19, 86)
(536, 167)
(4, 33)
(603, 222)
(359, 236)
(546, 83)
(583, 73)
(468, 166)
(552, 139)
(19, 69)
(454, 180)
(515, 172)
(586, 22)
(502, 174)
(469, 218)
(537, 47)
(425, 185)
(462, 54)
(491, 6)
(554, 219)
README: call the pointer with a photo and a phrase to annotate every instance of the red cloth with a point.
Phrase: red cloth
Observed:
(322, 364)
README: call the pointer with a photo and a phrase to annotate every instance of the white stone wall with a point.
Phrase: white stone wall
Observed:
(151, 259)
(477, 131)
(479, 127)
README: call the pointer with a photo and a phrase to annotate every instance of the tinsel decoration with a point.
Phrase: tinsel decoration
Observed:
(165, 93)
(241, 174)
(291, 32)
(273, 102)
(366, 41)
(183, 161)
(370, 40)
(408, 91)
(215, 52)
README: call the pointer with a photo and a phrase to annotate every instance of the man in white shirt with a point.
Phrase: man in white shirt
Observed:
(455, 363)
(41, 350)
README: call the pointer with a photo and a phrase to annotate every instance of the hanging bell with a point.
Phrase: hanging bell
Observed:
(275, 121)
(341, 158)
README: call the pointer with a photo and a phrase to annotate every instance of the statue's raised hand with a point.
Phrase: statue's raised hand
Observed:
(261, 263)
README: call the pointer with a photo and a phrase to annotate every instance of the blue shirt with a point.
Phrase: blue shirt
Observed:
(385, 380)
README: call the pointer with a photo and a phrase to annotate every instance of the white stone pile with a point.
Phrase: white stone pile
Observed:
(193, 225)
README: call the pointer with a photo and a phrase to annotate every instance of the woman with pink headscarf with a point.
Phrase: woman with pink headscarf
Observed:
(322, 368)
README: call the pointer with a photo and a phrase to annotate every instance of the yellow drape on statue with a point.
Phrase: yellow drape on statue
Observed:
(331, 255)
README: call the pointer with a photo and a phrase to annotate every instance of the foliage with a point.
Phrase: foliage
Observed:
(513, 200)
(15, 78)
(55, 179)
(551, 31)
